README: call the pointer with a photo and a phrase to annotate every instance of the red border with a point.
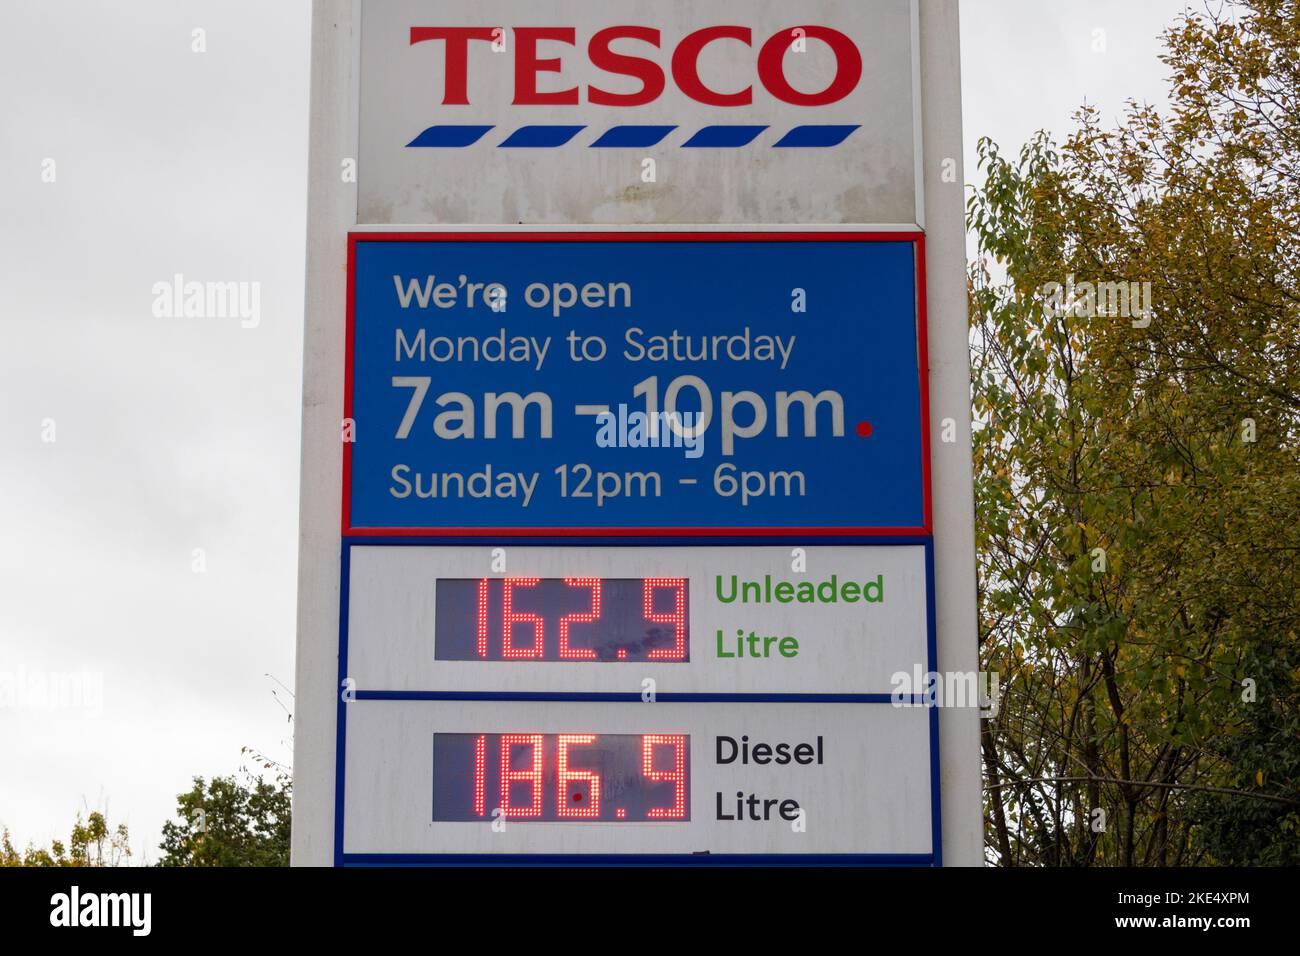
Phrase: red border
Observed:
(916, 238)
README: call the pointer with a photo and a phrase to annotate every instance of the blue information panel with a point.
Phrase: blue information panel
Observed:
(541, 383)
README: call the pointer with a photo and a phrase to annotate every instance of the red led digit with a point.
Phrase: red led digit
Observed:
(513, 617)
(586, 617)
(482, 617)
(571, 802)
(677, 775)
(677, 617)
(480, 774)
(533, 776)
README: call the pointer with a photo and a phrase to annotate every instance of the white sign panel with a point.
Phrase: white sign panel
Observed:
(606, 619)
(481, 679)
(503, 778)
(502, 111)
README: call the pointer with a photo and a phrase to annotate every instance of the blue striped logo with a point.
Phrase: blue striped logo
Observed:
(446, 136)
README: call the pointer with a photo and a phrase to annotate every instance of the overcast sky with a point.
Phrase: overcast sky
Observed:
(152, 543)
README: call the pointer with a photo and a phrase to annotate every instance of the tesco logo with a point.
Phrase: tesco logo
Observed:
(645, 65)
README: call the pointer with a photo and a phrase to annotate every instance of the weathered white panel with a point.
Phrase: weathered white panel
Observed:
(869, 178)
(871, 794)
(843, 648)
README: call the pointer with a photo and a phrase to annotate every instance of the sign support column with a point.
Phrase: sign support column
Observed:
(331, 211)
(954, 494)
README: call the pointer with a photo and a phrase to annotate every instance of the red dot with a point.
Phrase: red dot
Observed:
(864, 429)
(622, 654)
(577, 798)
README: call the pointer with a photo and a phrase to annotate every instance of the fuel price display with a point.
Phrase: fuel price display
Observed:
(562, 619)
(562, 778)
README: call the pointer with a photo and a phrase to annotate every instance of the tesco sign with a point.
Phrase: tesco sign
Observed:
(643, 62)
(608, 111)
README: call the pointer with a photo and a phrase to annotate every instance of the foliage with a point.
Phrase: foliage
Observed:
(231, 821)
(92, 843)
(1264, 752)
(1138, 469)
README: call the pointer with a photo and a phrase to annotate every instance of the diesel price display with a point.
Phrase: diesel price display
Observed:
(614, 778)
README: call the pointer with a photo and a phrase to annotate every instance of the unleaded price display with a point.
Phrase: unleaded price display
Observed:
(562, 619)
(605, 619)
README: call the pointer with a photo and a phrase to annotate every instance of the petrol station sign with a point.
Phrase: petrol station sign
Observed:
(632, 531)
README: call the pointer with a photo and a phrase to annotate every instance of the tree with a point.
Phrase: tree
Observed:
(1237, 832)
(93, 843)
(230, 821)
(1135, 318)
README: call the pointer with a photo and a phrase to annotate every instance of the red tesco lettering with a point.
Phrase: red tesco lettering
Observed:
(633, 60)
